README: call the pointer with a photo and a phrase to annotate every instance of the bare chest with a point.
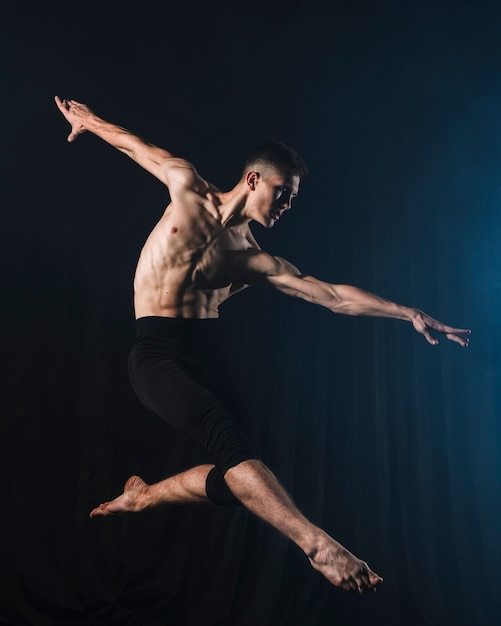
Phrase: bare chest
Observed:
(193, 251)
(215, 267)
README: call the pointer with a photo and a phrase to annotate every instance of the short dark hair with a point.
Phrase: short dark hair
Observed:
(277, 155)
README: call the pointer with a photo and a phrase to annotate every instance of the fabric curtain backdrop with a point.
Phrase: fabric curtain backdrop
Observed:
(390, 444)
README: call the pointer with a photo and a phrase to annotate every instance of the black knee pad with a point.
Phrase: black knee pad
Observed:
(218, 491)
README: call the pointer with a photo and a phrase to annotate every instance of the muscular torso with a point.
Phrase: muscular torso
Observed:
(186, 265)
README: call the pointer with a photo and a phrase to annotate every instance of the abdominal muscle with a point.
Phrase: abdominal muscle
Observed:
(187, 304)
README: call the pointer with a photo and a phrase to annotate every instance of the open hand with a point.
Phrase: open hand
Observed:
(76, 114)
(424, 324)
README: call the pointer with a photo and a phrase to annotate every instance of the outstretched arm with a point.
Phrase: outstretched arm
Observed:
(354, 301)
(261, 268)
(155, 160)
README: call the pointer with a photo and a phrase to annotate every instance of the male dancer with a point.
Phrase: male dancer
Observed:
(200, 253)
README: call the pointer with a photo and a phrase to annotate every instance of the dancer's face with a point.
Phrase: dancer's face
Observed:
(272, 196)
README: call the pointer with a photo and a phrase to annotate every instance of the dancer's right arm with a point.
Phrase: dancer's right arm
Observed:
(157, 161)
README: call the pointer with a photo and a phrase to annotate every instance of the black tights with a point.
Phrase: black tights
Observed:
(178, 369)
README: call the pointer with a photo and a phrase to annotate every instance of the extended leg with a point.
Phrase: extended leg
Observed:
(259, 490)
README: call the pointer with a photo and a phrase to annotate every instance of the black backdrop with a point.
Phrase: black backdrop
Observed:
(390, 444)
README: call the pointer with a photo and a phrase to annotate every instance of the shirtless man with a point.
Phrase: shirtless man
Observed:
(200, 253)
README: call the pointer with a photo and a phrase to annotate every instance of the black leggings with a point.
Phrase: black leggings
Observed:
(179, 370)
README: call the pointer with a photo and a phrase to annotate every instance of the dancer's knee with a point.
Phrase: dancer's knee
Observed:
(218, 491)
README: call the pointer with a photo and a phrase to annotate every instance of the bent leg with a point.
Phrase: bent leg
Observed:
(177, 391)
(186, 487)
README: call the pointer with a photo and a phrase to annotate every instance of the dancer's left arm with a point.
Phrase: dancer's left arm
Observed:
(351, 300)
(262, 268)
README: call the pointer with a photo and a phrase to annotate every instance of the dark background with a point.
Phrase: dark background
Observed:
(390, 444)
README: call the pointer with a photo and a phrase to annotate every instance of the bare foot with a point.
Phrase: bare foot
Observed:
(129, 502)
(343, 569)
